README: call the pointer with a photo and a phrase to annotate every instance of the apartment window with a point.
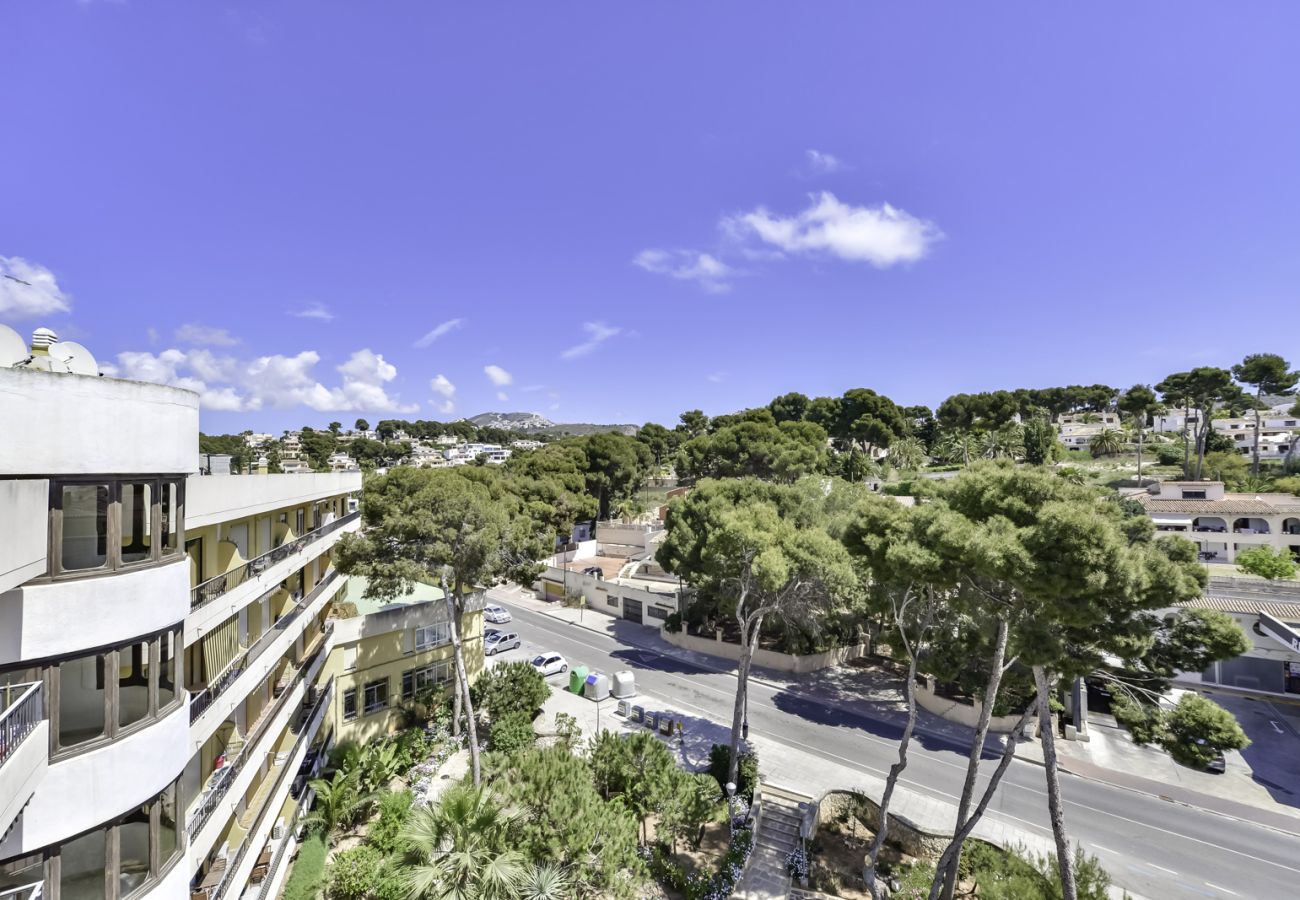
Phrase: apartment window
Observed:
(656, 612)
(376, 696)
(22, 871)
(349, 704)
(416, 680)
(432, 636)
(611, 600)
(133, 851)
(302, 522)
(108, 524)
(83, 867)
(85, 526)
(94, 698)
(1193, 495)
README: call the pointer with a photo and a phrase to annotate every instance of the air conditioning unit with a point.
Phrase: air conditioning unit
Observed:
(277, 833)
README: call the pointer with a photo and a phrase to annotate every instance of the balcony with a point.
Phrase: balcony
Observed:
(238, 774)
(24, 749)
(26, 892)
(213, 588)
(270, 646)
(227, 878)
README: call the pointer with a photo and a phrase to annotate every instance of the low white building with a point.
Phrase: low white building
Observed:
(1223, 524)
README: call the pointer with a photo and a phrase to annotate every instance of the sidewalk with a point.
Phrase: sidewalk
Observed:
(1107, 758)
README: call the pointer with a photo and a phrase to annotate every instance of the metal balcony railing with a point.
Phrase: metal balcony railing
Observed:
(25, 892)
(228, 773)
(200, 702)
(22, 708)
(213, 588)
(233, 864)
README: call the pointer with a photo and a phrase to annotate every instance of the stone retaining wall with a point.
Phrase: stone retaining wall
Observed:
(955, 711)
(913, 840)
(768, 659)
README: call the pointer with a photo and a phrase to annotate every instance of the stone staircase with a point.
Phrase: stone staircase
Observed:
(779, 818)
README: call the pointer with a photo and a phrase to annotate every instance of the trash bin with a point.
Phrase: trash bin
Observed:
(638, 714)
(597, 686)
(623, 685)
(577, 678)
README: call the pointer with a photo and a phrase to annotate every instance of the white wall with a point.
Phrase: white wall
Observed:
(24, 530)
(80, 424)
(218, 498)
(93, 787)
(23, 771)
(64, 617)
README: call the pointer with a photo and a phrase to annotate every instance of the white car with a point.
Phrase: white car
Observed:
(496, 614)
(550, 664)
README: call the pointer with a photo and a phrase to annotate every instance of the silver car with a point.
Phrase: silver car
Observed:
(497, 615)
(495, 641)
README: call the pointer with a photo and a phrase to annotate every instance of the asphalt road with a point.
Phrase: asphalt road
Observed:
(1152, 847)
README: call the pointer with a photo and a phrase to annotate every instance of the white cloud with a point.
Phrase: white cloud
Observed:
(707, 271)
(503, 396)
(498, 376)
(442, 329)
(193, 333)
(442, 386)
(819, 163)
(597, 334)
(717, 377)
(28, 289)
(533, 388)
(152, 334)
(268, 382)
(880, 235)
(317, 311)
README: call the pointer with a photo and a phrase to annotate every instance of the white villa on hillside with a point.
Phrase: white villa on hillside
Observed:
(1223, 524)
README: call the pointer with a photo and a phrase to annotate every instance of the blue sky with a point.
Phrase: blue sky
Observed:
(311, 211)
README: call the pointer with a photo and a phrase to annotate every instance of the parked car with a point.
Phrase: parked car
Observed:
(550, 664)
(495, 641)
(594, 570)
(496, 614)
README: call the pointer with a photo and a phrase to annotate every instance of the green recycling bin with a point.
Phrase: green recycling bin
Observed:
(577, 678)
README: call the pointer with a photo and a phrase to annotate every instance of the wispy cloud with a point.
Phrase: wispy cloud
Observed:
(442, 386)
(439, 331)
(818, 163)
(498, 376)
(317, 311)
(707, 271)
(717, 377)
(28, 289)
(503, 396)
(880, 235)
(597, 334)
(205, 335)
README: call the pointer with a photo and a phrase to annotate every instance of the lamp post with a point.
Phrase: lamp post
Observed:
(731, 808)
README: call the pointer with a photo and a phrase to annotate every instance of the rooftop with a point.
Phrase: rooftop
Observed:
(1231, 504)
(421, 593)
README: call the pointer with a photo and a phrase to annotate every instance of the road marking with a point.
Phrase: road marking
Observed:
(1276, 727)
(1102, 849)
(1162, 868)
(817, 751)
(1223, 890)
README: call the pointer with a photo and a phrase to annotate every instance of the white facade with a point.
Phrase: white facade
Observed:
(1223, 524)
(161, 639)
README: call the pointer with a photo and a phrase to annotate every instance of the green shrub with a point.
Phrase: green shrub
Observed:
(385, 833)
(567, 731)
(1266, 563)
(1145, 723)
(513, 731)
(673, 623)
(746, 772)
(353, 873)
(515, 687)
(308, 871)
(1169, 454)
(1200, 729)
(391, 883)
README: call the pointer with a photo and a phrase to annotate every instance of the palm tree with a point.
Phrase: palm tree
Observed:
(956, 446)
(460, 847)
(339, 802)
(1007, 442)
(1107, 442)
(907, 454)
(546, 882)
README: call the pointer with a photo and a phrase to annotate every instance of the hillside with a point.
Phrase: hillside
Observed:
(537, 424)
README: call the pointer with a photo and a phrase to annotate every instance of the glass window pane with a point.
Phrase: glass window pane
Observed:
(133, 683)
(81, 700)
(169, 837)
(133, 851)
(167, 670)
(85, 526)
(22, 871)
(81, 867)
(137, 521)
(171, 520)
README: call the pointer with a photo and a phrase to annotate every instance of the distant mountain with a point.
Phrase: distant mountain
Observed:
(532, 422)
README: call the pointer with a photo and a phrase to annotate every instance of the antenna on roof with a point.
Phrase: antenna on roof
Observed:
(77, 358)
(13, 349)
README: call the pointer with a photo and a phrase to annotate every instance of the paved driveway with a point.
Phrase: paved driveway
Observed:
(1274, 753)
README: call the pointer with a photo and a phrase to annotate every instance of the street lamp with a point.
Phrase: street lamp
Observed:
(731, 808)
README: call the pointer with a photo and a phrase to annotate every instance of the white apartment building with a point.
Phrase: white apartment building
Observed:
(162, 644)
(1222, 524)
(1277, 432)
(464, 454)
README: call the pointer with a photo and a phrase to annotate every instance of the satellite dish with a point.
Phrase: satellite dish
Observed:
(13, 349)
(77, 358)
